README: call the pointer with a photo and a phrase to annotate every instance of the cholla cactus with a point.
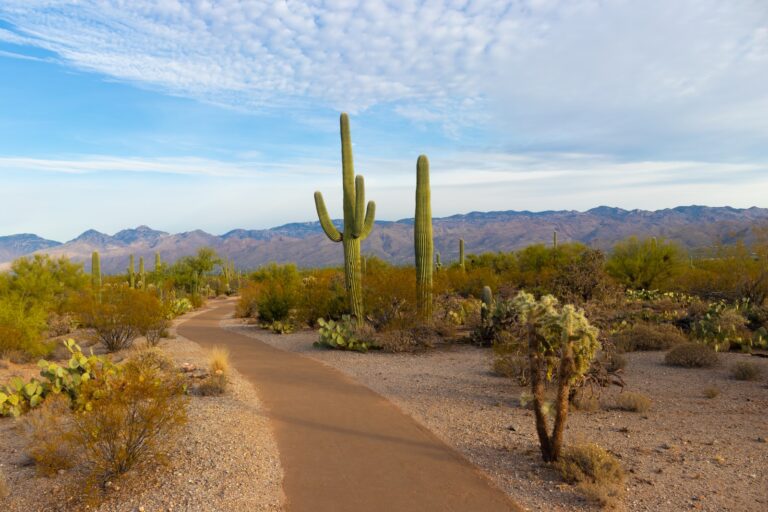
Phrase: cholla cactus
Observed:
(358, 222)
(559, 341)
(423, 242)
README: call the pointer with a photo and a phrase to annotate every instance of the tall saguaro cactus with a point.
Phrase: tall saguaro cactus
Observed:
(422, 238)
(131, 272)
(358, 221)
(461, 253)
(96, 274)
(554, 239)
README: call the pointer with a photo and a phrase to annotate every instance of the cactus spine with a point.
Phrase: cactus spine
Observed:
(461, 253)
(131, 273)
(422, 237)
(358, 222)
(96, 274)
(142, 274)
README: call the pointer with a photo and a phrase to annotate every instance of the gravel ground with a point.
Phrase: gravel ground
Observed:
(227, 459)
(687, 453)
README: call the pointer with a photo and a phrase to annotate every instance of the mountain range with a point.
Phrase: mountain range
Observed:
(693, 227)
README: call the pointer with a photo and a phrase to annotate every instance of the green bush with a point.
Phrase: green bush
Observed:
(22, 328)
(643, 264)
(646, 336)
(692, 355)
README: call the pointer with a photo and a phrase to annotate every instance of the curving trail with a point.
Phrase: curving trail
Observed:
(343, 447)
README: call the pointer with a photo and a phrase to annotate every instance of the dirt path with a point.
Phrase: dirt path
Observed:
(343, 447)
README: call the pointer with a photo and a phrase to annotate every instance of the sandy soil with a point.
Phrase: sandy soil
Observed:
(227, 459)
(687, 453)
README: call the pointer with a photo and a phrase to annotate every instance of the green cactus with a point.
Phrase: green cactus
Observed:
(358, 222)
(142, 274)
(438, 263)
(228, 273)
(487, 306)
(96, 274)
(461, 253)
(422, 239)
(131, 274)
(554, 239)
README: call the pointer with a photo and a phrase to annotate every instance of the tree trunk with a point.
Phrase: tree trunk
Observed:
(537, 387)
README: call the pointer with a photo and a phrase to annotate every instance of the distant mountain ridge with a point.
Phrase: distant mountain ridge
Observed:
(305, 244)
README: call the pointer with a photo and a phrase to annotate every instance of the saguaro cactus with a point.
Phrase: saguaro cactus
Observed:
(158, 262)
(422, 238)
(96, 274)
(461, 253)
(554, 239)
(438, 263)
(487, 307)
(358, 222)
(142, 274)
(131, 272)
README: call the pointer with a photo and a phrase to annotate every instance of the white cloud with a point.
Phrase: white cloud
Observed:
(613, 74)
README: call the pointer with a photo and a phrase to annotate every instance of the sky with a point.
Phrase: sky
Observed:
(219, 115)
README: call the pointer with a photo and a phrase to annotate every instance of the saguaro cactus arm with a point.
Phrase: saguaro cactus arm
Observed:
(325, 220)
(370, 214)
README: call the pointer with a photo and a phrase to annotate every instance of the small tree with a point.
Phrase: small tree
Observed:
(643, 264)
(561, 345)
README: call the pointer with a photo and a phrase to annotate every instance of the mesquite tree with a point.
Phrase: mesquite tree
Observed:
(561, 347)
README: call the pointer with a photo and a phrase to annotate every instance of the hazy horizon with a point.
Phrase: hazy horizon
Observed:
(181, 117)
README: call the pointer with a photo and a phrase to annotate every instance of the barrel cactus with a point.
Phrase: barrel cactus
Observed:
(358, 222)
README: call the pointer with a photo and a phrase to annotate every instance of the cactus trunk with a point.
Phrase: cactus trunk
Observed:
(423, 241)
(131, 273)
(461, 253)
(96, 274)
(554, 239)
(142, 275)
(358, 222)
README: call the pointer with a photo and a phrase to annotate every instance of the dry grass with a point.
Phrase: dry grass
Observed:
(692, 355)
(47, 431)
(635, 402)
(745, 370)
(218, 365)
(711, 392)
(597, 474)
(586, 403)
(648, 336)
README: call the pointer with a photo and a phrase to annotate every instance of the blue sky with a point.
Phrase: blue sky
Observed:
(218, 115)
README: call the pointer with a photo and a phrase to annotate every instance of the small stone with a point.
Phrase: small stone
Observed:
(761, 440)
(512, 428)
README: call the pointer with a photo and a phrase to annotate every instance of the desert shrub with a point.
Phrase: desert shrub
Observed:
(343, 335)
(122, 314)
(47, 436)
(598, 474)
(46, 282)
(513, 366)
(744, 370)
(247, 305)
(646, 336)
(197, 300)
(414, 339)
(22, 327)
(586, 402)
(643, 264)
(218, 366)
(132, 418)
(634, 402)
(711, 392)
(692, 355)
(4, 489)
(583, 278)
(613, 362)
(389, 295)
(60, 324)
(322, 295)
(273, 293)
